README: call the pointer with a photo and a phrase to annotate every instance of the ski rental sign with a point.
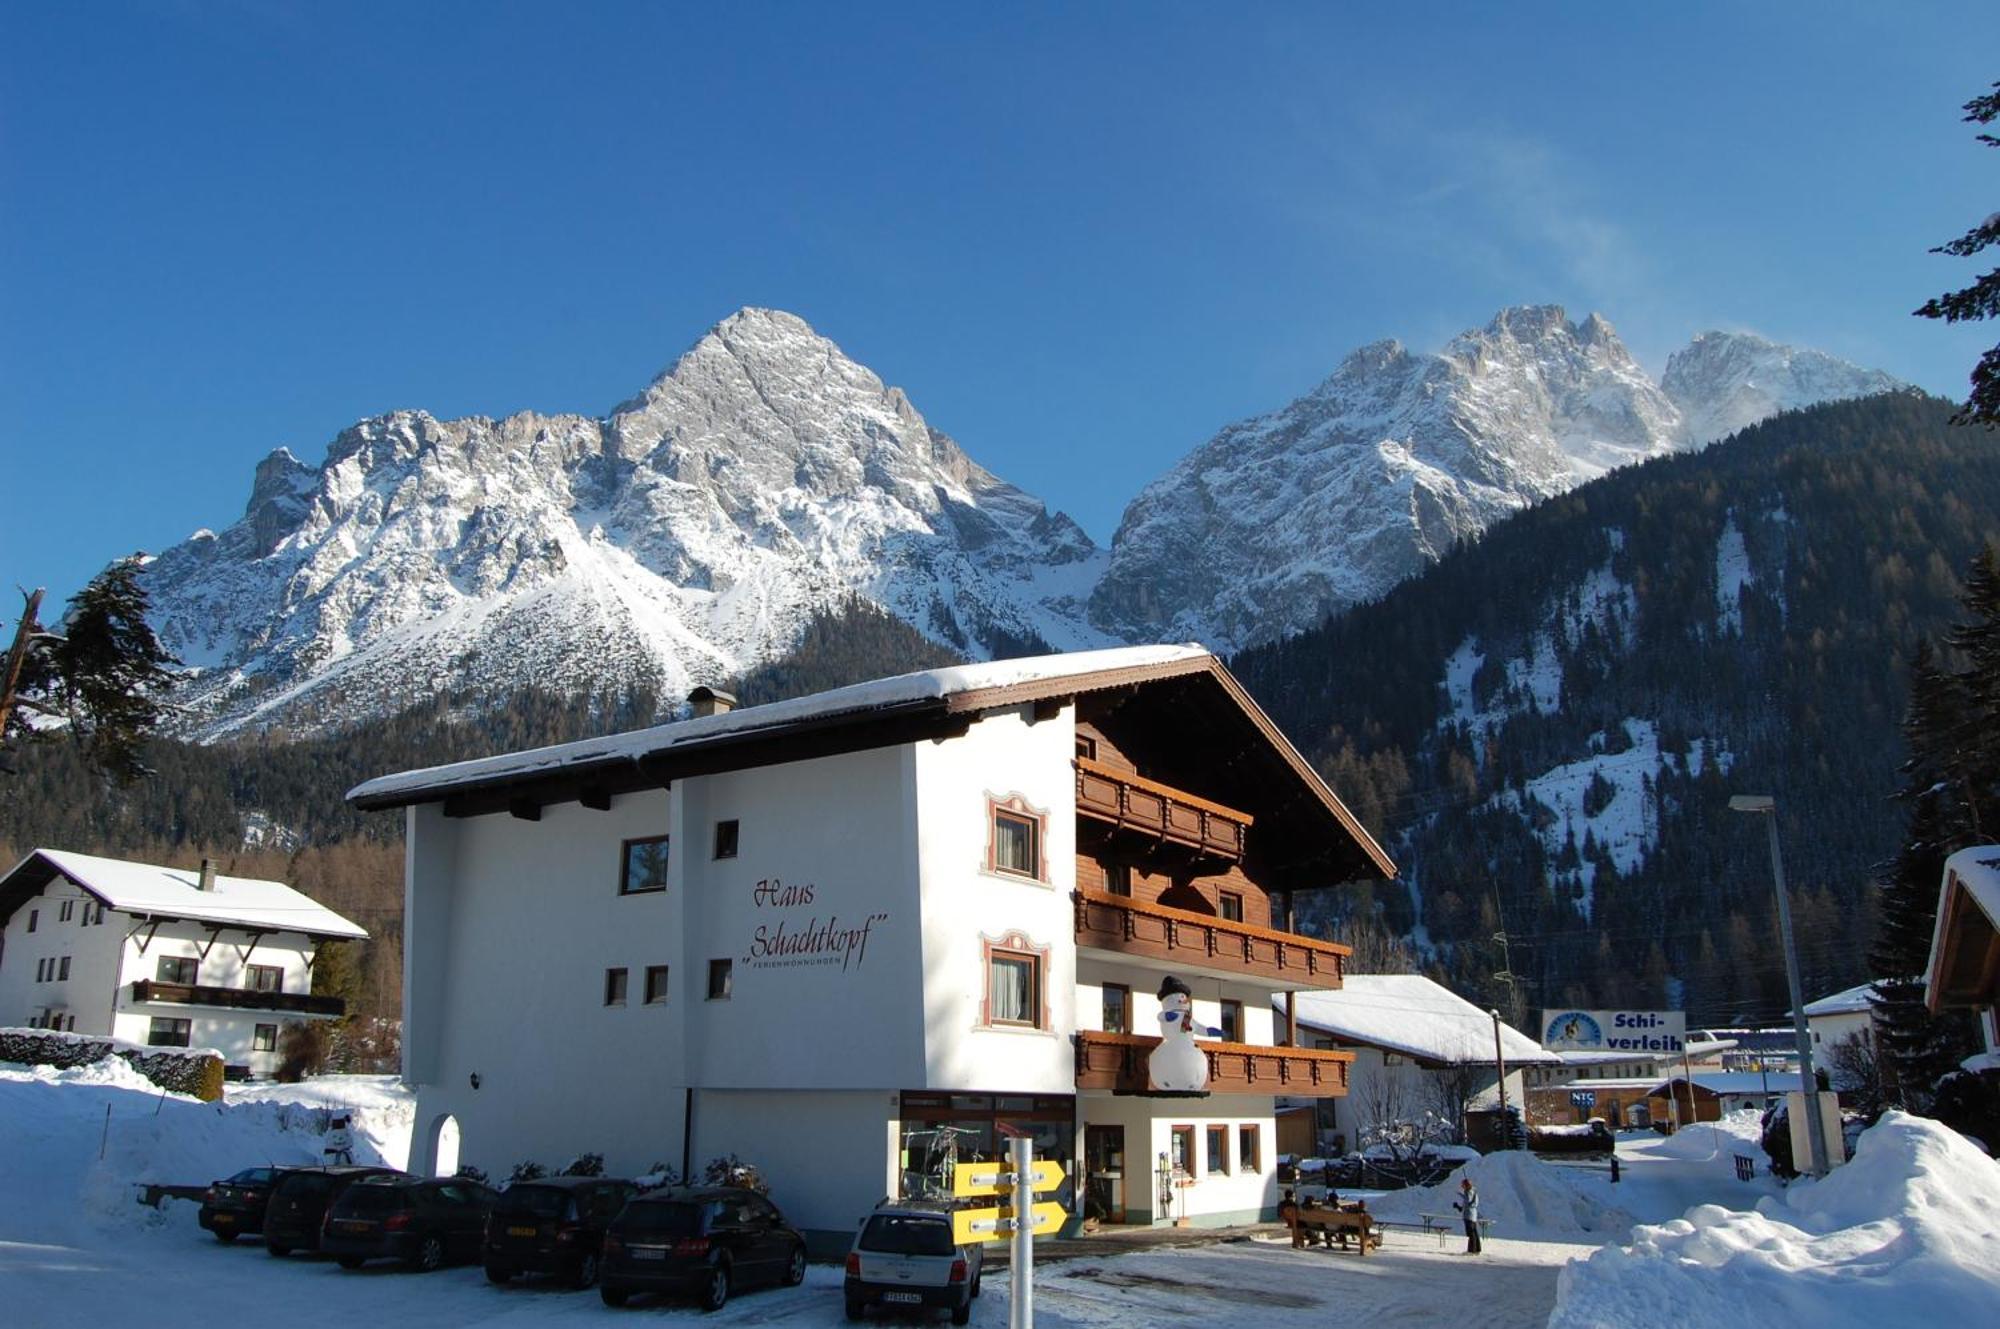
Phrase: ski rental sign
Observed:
(1615, 1031)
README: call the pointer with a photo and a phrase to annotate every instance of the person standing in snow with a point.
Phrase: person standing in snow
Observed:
(339, 1142)
(1467, 1205)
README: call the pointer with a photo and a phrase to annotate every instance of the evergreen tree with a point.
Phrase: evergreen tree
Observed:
(1916, 1048)
(1981, 299)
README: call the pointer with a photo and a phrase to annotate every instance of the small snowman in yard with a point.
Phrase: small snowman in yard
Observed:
(1177, 1066)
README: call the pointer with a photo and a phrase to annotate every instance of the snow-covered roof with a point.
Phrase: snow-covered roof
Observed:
(144, 888)
(1853, 1001)
(1408, 1013)
(1716, 1082)
(875, 696)
(1596, 1058)
(1977, 872)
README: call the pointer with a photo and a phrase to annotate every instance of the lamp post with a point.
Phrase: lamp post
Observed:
(1500, 1064)
(1767, 806)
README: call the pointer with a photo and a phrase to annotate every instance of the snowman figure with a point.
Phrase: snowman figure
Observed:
(1177, 1066)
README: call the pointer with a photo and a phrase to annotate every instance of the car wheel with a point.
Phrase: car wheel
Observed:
(613, 1296)
(715, 1292)
(498, 1273)
(795, 1272)
(975, 1284)
(962, 1313)
(857, 1309)
(226, 1238)
(350, 1261)
(586, 1271)
(430, 1255)
(277, 1248)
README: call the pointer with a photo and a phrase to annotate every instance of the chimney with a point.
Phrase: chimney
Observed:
(711, 701)
(207, 874)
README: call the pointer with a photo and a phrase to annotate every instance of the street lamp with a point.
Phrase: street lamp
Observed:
(1500, 1065)
(1765, 805)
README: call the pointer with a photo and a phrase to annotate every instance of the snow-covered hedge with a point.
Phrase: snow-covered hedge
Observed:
(195, 1071)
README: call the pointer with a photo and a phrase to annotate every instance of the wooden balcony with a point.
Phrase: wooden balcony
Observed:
(1205, 944)
(188, 994)
(1117, 1062)
(1145, 809)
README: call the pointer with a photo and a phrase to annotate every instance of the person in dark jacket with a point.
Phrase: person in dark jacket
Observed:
(1467, 1205)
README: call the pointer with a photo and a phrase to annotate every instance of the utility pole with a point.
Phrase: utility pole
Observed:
(1500, 1064)
(1021, 1270)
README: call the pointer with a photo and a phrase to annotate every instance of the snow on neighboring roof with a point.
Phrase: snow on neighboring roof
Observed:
(900, 690)
(1853, 1001)
(142, 888)
(1977, 871)
(1593, 1058)
(1408, 1013)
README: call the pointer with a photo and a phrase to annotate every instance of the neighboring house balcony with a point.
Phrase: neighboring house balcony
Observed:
(1117, 1062)
(243, 999)
(1122, 928)
(1139, 811)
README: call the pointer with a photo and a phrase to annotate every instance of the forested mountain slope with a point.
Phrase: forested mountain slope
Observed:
(1547, 724)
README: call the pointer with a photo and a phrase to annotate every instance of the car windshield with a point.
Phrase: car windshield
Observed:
(250, 1176)
(907, 1234)
(670, 1218)
(361, 1199)
(541, 1201)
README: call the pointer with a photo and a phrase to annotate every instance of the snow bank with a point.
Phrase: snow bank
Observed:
(78, 1140)
(1525, 1197)
(1907, 1233)
(1735, 1133)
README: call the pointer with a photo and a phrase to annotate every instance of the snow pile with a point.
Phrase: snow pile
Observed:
(1907, 1233)
(1735, 1133)
(1525, 1197)
(77, 1142)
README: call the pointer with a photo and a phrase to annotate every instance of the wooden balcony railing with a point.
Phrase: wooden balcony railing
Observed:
(1132, 803)
(1117, 1062)
(188, 994)
(1205, 942)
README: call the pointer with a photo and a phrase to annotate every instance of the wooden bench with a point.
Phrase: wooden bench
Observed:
(1338, 1227)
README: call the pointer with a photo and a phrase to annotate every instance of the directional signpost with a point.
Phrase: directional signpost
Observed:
(1020, 1179)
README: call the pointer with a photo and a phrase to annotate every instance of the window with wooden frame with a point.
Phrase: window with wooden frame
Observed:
(267, 978)
(1118, 878)
(177, 969)
(264, 1038)
(1218, 1151)
(1249, 1149)
(1117, 1008)
(614, 987)
(1017, 993)
(1232, 906)
(721, 975)
(1231, 1021)
(643, 865)
(656, 984)
(1180, 1147)
(166, 1032)
(1016, 833)
(1086, 747)
(726, 833)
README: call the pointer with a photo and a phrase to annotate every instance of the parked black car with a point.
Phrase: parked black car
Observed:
(553, 1226)
(422, 1221)
(235, 1205)
(297, 1208)
(707, 1240)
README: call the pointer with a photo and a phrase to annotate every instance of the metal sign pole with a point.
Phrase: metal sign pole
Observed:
(1021, 1154)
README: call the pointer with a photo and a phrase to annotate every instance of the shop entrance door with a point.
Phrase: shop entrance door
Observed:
(1104, 1161)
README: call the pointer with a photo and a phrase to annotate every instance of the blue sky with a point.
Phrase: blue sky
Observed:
(1083, 238)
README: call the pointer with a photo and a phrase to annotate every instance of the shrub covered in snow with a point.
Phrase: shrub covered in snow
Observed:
(193, 1071)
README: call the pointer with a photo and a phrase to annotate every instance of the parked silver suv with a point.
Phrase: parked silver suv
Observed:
(904, 1256)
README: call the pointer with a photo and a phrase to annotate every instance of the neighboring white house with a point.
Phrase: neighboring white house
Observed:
(163, 956)
(856, 936)
(1419, 1049)
(1843, 1015)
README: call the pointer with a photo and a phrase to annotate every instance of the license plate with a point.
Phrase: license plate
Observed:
(520, 1232)
(222, 1218)
(355, 1225)
(649, 1255)
(904, 1298)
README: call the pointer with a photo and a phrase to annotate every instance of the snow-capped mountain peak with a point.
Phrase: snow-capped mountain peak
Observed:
(1726, 381)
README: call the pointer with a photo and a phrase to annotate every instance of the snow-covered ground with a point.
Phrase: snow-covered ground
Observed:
(76, 1251)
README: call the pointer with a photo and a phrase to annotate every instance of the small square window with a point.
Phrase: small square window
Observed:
(614, 987)
(1118, 878)
(1217, 1139)
(719, 977)
(1232, 1022)
(264, 1038)
(1014, 844)
(656, 984)
(62, 970)
(644, 867)
(1086, 748)
(166, 1032)
(1249, 1149)
(725, 838)
(1232, 906)
(177, 969)
(266, 978)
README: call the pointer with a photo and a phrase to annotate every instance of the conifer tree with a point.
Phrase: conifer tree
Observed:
(1981, 299)
(1917, 1048)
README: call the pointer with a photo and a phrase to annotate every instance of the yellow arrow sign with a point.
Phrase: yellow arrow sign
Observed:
(985, 1178)
(997, 1223)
